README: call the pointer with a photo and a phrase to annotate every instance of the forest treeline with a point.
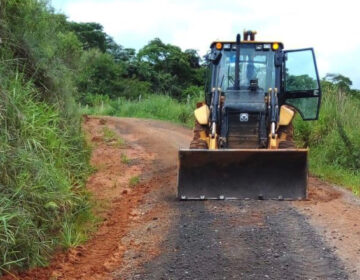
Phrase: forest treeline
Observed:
(51, 67)
(107, 68)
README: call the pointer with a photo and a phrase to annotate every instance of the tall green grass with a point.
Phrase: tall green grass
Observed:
(43, 166)
(334, 140)
(160, 107)
(43, 157)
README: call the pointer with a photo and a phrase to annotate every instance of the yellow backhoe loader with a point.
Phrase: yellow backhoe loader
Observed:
(243, 137)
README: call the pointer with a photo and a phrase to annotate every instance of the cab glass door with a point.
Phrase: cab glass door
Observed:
(301, 82)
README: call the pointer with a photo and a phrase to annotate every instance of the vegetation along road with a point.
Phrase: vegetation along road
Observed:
(147, 234)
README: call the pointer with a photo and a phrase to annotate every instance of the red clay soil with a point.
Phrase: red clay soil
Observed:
(137, 219)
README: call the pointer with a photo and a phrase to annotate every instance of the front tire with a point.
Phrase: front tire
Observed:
(287, 133)
(197, 142)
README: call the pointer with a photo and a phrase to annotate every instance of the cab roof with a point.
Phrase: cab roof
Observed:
(248, 42)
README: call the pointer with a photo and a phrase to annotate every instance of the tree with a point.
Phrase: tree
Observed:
(168, 68)
(193, 58)
(90, 34)
(100, 74)
(300, 82)
(344, 83)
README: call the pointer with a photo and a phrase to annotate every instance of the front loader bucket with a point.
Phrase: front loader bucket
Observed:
(243, 174)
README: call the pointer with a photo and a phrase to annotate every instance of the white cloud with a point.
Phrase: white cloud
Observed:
(328, 26)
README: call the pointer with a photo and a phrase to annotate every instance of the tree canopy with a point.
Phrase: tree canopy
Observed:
(159, 68)
(341, 81)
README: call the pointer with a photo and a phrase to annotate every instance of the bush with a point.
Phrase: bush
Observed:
(134, 89)
(191, 92)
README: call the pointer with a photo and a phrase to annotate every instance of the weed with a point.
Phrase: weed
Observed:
(112, 138)
(70, 237)
(134, 181)
(109, 135)
(119, 143)
(125, 159)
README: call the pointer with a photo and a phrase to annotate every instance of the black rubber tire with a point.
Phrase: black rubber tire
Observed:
(198, 143)
(289, 142)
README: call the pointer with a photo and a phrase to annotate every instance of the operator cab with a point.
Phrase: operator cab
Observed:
(243, 76)
(264, 65)
(256, 64)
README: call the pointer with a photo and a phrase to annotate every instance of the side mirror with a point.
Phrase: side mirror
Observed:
(215, 57)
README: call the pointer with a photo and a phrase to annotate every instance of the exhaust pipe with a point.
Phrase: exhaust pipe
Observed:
(237, 61)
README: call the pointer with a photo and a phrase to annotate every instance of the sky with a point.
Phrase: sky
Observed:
(329, 26)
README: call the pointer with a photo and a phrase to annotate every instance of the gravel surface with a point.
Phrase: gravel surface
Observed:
(242, 240)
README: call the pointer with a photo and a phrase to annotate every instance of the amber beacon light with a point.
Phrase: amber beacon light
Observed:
(275, 46)
(219, 46)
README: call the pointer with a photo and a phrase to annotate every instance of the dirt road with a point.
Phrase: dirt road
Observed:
(147, 234)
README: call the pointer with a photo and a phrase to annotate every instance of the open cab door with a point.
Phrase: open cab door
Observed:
(301, 82)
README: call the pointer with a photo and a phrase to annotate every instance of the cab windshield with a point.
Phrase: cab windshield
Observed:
(254, 65)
